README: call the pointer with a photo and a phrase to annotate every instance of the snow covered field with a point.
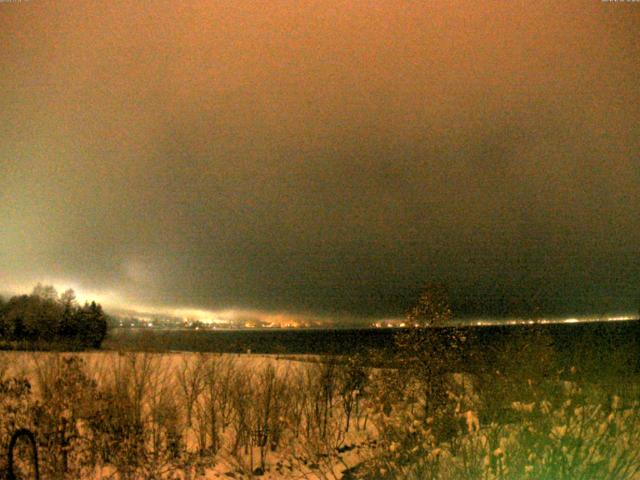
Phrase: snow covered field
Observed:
(199, 415)
(205, 416)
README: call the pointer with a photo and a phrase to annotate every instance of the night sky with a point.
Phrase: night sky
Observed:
(323, 158)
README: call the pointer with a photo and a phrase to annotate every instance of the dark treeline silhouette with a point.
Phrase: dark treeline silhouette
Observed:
(45, 318)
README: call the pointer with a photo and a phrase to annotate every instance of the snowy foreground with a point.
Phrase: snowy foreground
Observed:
(201, 415)
(205, 416)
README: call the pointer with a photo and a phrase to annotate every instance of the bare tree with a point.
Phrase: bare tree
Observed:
(191, 381)
(298, 400)
(429, 347)
(351, 381)
(214, 407)
(241, 399)
(121, 406)
(162, 427)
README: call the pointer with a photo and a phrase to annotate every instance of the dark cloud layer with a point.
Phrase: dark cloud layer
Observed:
(324, 157)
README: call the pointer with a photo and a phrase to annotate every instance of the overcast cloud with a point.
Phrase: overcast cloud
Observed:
(323, 158)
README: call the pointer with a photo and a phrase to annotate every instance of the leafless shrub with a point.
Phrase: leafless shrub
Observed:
(281, 404)
(162, 427)
(351, 382)
(242, 394)
(190, 376)
(119, 424)
(66, 393)
(319, 384)
(312, 406)
(297, 401)
(214, 406)
(323, 427)
(261, 411)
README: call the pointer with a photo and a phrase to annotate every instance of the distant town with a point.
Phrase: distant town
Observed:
(162, 322)
(170, 322)
(167, 322)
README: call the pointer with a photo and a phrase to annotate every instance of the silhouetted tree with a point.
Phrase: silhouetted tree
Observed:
(430, 347)
(45, 317)
(3, 306)
(13, 317)
(45, 292)
(93, 325)
(68, 298)
(69, 323)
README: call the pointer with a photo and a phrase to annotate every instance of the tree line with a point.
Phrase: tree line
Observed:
(46, 318)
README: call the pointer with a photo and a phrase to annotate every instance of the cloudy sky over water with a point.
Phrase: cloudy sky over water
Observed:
(323, 158)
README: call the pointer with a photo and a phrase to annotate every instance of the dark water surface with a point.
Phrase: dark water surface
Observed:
(611, 344)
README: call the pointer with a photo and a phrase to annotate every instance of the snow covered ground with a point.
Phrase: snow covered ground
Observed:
(209, 416)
